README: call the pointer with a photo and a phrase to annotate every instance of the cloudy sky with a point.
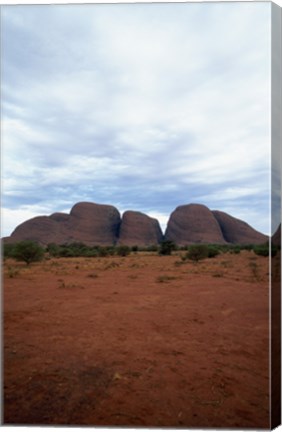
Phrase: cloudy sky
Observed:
(142, 106)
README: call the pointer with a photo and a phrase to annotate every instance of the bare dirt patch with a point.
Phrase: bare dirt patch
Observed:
(141, 340)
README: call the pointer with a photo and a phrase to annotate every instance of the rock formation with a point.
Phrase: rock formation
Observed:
(89, 223)
(139, 229)
(193, 223)
(93, 224)
(100, 224)
(236, 231)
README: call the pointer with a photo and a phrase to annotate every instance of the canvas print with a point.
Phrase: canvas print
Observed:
(141, 221)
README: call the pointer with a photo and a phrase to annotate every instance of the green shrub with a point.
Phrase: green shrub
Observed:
(197, 252)
(213, 251)
(263, 250)
(28, 251)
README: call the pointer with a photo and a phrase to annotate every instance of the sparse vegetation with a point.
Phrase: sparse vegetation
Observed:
(111, 265)
(254, 269)
(28, 251)
(194, 252)
(13, 271)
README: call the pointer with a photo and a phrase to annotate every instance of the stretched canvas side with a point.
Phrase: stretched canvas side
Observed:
(275, 260)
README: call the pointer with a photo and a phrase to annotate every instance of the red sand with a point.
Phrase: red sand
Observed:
(137, 341)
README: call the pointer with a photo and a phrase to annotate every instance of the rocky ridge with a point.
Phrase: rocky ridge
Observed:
(100, 224)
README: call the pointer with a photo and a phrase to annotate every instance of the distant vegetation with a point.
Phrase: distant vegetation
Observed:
(29, 251)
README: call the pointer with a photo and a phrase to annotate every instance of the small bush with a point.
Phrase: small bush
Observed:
(12, 271)
(213, 251)
(28, 251)
(197, 252)
(111, 265)
(254, 268)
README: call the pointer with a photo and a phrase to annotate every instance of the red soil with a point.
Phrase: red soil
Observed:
(137, 341)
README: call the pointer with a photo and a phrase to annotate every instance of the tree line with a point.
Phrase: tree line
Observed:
(30, 251)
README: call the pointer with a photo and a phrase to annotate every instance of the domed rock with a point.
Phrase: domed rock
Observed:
(193, 223)
(93, 224)
(40, 229)
(139, 229)
(237, 231)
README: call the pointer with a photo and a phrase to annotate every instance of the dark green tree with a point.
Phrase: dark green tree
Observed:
(28, 251)
(8, 250)
(166, 247)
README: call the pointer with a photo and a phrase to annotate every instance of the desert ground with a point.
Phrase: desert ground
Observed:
(142, 340)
